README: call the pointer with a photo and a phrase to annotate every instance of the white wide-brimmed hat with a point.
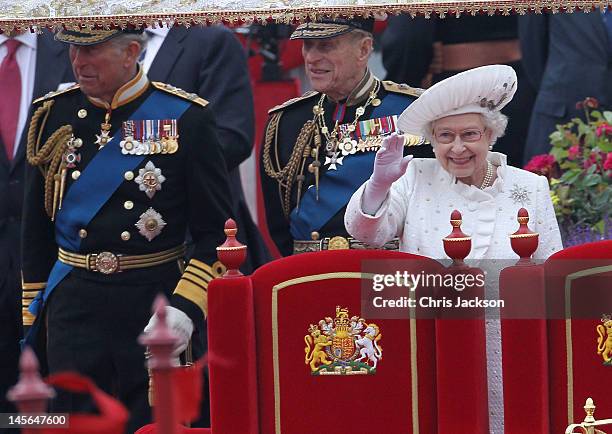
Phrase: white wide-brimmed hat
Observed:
(479, 90)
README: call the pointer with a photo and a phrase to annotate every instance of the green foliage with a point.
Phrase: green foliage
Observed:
(579, 168)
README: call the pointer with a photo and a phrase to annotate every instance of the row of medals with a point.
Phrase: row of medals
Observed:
(165, 145)
(350, 146)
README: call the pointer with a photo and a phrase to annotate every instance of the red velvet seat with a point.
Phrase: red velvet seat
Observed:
(150, 429)
(579, 283)
(260, 380)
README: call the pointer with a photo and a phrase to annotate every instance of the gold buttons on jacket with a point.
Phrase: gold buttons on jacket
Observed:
(128, 204)
(128, 175)
(125, 235)
(82, 233)
(82, 113)
(75, 175)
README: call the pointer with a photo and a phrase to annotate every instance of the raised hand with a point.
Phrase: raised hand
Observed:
(389, 164)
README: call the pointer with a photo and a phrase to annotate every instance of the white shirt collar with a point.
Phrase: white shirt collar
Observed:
(27, 38)
(159, 31)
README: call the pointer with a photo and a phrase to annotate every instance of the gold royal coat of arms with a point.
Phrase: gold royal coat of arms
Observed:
(343, 345)
(604, 339)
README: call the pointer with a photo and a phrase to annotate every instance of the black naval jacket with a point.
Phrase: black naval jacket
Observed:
(193, 195)
(295, 113)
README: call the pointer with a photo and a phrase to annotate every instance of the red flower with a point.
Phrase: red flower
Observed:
(590, 161)
(604, 130)
(608, 163)
(541, 164)
(591, 102)
(573, 152)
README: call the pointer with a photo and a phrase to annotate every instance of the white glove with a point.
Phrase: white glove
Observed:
(180, 324)
(389, 166)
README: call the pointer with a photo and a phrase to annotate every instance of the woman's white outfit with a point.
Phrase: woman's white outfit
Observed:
(419, 205)
(418, 208)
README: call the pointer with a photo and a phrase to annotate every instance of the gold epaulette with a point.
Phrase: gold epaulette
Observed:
(180, 93)
(292, 101)
(402, 88)
(55, 93)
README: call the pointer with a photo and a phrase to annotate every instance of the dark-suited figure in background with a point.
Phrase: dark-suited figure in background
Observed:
(34, 55)
(210, 62)
(422, 52)
(567, 57)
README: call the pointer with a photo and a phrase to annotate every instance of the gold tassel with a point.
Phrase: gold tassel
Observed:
(62, 187)
(316, 162)
(56, 186)
(300, 179)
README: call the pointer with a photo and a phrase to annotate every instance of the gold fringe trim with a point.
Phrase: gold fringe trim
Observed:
(146, 18)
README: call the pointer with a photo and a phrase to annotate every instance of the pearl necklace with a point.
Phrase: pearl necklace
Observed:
(486, 182)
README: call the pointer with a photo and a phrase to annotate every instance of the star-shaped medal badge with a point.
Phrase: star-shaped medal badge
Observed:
(150, 179)
(102, 139)
(333, 160)
(520, 195)
(150, 224)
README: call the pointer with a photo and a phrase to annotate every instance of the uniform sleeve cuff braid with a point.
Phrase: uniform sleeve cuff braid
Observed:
(195, 280)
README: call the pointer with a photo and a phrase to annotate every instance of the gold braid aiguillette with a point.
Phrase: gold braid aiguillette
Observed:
(286, 175)
(48, 158)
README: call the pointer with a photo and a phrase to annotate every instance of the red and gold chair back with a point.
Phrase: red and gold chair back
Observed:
(270, 363)
(579, 291)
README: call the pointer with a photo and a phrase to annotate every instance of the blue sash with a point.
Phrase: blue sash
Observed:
(337, 186)
(96, 185)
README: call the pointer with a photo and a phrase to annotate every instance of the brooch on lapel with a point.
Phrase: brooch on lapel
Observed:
(520, 195)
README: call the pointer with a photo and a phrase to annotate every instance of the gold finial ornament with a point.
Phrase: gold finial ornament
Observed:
(588, 426)
(589, 408)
